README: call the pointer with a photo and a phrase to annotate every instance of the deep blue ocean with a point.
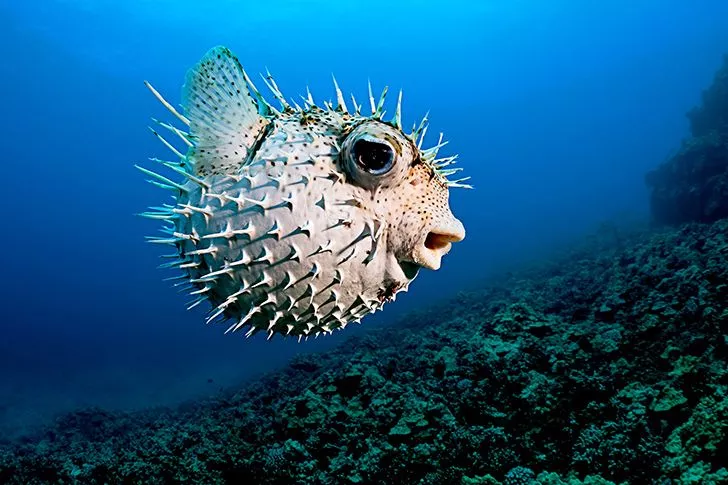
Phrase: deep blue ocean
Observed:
(557, 108)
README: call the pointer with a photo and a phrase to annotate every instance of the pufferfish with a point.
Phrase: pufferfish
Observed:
(297, 220)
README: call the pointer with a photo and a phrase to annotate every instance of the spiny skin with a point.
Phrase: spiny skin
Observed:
(300, 220)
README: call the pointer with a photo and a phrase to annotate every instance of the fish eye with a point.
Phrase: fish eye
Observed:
(375, 157)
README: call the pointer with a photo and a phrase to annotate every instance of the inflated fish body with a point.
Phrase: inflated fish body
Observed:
(298, 220)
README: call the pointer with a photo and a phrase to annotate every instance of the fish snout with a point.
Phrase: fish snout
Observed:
(437, 243)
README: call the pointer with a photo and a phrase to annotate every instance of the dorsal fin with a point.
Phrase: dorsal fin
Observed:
(225, 119)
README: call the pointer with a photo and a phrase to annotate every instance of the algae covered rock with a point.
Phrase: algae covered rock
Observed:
(693, 184)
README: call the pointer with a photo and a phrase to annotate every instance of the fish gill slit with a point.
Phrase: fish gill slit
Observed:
(267, 130)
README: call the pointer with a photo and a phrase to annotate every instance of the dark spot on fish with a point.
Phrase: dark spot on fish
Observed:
(386, 294)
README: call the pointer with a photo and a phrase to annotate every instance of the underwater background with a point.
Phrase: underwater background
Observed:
(559, 110)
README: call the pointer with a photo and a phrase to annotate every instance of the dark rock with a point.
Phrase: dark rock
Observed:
(693, 184)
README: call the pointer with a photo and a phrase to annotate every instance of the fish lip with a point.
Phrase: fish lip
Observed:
(429, 252)
(437, 243)
(427, 258)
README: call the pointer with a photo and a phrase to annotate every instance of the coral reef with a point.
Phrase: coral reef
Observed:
(693, 184)
(606, 365)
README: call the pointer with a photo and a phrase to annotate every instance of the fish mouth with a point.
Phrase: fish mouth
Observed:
(436, 244)
(428, 254)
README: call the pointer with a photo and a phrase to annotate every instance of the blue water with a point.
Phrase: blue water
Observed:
(557, 109)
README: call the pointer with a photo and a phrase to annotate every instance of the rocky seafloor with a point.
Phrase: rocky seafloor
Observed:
(605, 365)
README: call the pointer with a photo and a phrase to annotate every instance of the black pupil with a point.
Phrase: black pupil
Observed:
(373, 156)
